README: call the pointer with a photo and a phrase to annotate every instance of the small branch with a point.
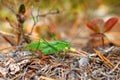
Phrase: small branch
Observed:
(24, 73)
(49, 13)
(4, 35)
(103, 42)
(36, 18)
(10, 8)
(104, 59)
(33, 20)
(10, 42)
(46, 78)
(11, 25)
(116, 67)
(38, 12)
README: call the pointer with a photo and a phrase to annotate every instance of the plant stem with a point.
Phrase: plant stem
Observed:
(103, 43)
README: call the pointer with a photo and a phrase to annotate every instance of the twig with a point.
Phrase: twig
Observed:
(33, 20)
(11, 24)
(45, 78)
(36, 18)
(40, 15)
(19, 46)
(49, 13)
(104, 59)
(16, 77)
(38, 12)
(10, 8)
(9, 41)
(114, 68)
(23, 76)
(6, 34)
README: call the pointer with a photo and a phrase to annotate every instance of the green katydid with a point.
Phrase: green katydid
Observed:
(50, 47)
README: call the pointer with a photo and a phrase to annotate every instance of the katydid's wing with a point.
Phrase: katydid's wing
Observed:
(55, 46)
(49, 47)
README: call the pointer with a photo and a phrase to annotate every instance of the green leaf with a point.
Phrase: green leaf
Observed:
(49, 47)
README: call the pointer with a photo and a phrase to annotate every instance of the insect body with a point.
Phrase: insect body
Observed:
(49, 47)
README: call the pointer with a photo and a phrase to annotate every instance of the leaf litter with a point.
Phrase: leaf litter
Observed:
(26, 65)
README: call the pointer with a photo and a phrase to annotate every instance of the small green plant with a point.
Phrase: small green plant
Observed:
(49, 47)
(99, 27)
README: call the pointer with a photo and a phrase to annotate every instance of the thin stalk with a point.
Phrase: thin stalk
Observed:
(103, 42)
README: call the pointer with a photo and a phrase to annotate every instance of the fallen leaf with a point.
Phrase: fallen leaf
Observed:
(44, 57)
(3, 72)
(115, 42)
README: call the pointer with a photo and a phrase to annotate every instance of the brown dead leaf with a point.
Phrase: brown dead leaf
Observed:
(119, 78)
(3, 72)
(1, 64)
(44, 57)
(104, 59)
(42, 63)
(1, 76)
(115, 42)
(29, 74)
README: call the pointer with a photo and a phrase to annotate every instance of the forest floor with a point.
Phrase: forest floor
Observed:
(99, 64)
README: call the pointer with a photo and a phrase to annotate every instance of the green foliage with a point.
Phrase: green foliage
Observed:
(49, 47)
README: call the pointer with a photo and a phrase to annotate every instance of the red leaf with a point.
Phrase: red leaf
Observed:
(95, 25)
(51, 27)
(95, 35)
(92, 26)
(110, 24)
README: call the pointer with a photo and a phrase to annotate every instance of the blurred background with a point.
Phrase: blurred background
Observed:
(69, 20)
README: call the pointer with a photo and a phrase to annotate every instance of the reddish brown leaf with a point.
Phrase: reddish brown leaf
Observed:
(110, 24)
(93, 26)
(97, 35)
(42, 63)
(1, 75)
(44, 57)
